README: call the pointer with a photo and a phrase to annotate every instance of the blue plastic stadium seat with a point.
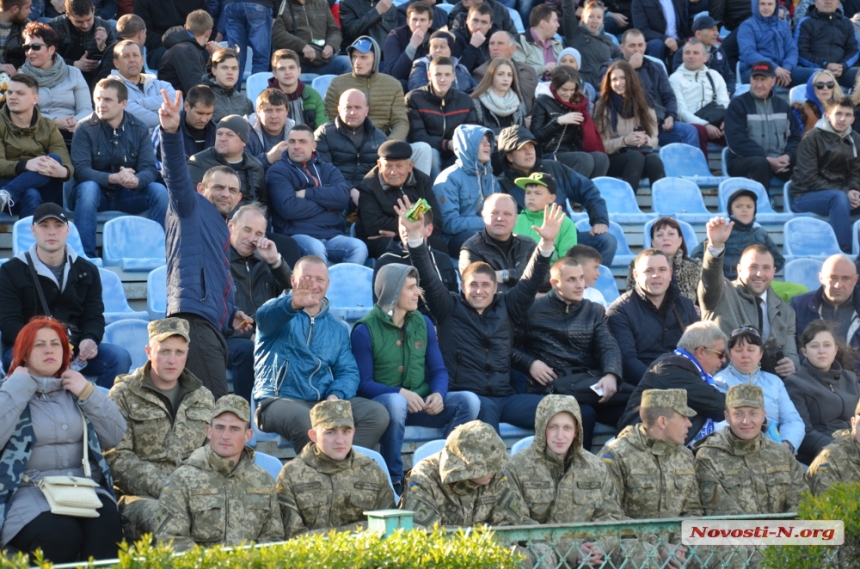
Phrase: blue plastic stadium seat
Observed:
(685, 161)
(268, 463)
(260, 436)
(256, 84)
(380, 461)
(509, 431)
(623, 255)
(797, 94)
(606, 285)
(521, 444)
(113, 297)
(321, 83)
(350, 291)
(135, 244)
(620, 201)
(518, 21)
(764, 211)
(573, 215)
(680, 198)
(156, 293)
(808, 237)
(22, 238)
(425, 450)
(803, 271)
(855, 239)
(131, 335)
(446, 7)
(687, 231)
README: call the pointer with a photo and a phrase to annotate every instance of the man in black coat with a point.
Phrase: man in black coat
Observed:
(408, 42)
(160, 16)
(84, 37)
(13, 14)
(184, 61)
(472, 40)
(501, 16)
(700, 354)
(374, 18)
(663, 30)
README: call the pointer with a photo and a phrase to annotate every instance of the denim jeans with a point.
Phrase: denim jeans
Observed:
(241, 354)
(605, 243)
(518, 410)
(110, 361)
(835, 205)
(337, 65)
(250, 23)
(88, 199)
(30, 189)
(338, 249)
(460, 407)
(681, 132)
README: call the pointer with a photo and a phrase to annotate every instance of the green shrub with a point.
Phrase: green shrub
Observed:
(841, 502)
(475, 549)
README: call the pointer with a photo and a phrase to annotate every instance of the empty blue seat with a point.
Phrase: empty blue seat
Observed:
(156, 293)
(518, 21)
(687, 231)
(855, 239)
(573, 215)
(508, 431)
(425, 450)
(380, 461)
(803, 271)
(606, 285)
(131, 335)
(446, 7)
(521, 444)
(256, 84)
(808, 237)
(623, 254)
(22, 238)
(113, 297)
(685, 161)
(135, 244)
(620, 201)
(350, 291)
(764, 211)
(797, 94)
(680, 198)
(321, 83)
(268, 463)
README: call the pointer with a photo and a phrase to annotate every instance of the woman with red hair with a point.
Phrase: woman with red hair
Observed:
(46, 407)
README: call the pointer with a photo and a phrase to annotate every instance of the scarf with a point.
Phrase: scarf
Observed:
(591, 140)
(51, 77)
(500, 106)
(708, 427)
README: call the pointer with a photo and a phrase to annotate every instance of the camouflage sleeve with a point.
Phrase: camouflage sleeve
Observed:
(173, 520)
(713, 497)
(292, 520)
(273, 528)
(610, 507)
(385, 497)
(615, 468)
(796, 488)
(510, 508)
(418, 497)
(133, 476)
(823, 472)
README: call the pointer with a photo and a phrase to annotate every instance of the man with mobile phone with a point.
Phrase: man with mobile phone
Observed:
(84, 37)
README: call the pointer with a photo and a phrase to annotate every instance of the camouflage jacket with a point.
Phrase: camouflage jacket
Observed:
(573, 489)
(838, 462)
(316, 492)
(737, 477)
(211, 501)
(156, 441)
(653, 478)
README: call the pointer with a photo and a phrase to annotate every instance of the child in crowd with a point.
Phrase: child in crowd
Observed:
(540, 190)
(590, 260)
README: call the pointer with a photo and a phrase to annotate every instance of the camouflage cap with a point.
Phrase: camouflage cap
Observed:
(675, 399)
(235, 404)
(160, 330)
(472, 450)
(745, 395)
(332, 414)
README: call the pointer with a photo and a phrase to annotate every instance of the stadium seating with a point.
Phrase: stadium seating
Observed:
(518, 21)
(797, 94)
(446, 7)
(855, 239)
(764, 211)
(623, 255)
(22, 238)
(321, 83)
(688, 162)
(268, 463)
(690, 238)
(680, 198)
(131, 335)
(808, 237)
(115, 302)
(521, 444)
(350, 291)
(156, 293)
(380, 461)
(425, 450)
(256, 84)
(133, 243)
(620, 201)
(803, 271)
(606, 285)
(261, 437)
(573, 215)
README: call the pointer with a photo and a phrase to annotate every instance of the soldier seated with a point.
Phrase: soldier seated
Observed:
(167, 409)
(219, 496)
(329, 485)
(838, 462)
(740, 471)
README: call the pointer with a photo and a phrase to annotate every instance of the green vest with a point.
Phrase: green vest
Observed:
(398, 355)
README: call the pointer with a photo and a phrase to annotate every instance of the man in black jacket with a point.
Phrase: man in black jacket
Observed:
(664, 25)
(407, 43)
(826, 40)
(260, 274)
(374, 18)
(160, 16)
(476, 327)
(72, 291)
(648, 320)
(184, 61)
(128, 27)
(13, 15)
(197, 128)
(501, 16)
(472, 39)
(700, 353)
(84, 37)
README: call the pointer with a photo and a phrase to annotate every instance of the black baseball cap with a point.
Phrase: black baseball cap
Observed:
(47, 210)
(764, 68)
(704, 23)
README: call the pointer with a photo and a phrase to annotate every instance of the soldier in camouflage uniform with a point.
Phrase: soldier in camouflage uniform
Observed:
(838, 462)
(739, 470)
(329, 485)
(219, 496)
(167, 409)
(465, 483)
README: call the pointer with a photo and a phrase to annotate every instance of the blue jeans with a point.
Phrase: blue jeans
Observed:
(681, 132)
(460, 407)
(656, 48)
(518, 410)
(605, 243)
(241, 355)
(250, 23)
(88, 199)
(30, 189)
(110, 362)
(337, 65)
(833, 204)
(338, 249)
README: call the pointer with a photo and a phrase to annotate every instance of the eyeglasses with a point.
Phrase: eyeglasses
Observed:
(33, 46)
(821, 85)
(721, 355)
(745, 328)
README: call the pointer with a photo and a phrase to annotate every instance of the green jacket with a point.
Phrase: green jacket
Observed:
(398, 355)
(566, 235)
(20, 144)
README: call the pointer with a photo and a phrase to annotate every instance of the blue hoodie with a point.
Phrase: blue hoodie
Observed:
(767, 39)
(463, 187)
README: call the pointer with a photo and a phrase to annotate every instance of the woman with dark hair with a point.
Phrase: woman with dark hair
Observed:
(64, 96)
(563, 126)
(628, 125)
(667, 236)
(46, 407)
(824, 391)
(745, 353)
(497, 98)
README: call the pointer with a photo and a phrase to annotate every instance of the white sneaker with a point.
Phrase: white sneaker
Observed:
(6, 201)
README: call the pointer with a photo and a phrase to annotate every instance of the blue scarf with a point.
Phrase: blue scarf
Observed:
(708, 427)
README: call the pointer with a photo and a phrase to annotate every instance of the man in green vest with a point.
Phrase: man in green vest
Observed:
(401, 367)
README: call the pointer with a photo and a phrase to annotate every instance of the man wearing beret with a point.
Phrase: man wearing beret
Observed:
(167, 409)
(838, 462)
(329, 485)
(741, 471)
(219, 496)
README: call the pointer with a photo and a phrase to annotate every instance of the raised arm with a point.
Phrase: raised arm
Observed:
(180, 187)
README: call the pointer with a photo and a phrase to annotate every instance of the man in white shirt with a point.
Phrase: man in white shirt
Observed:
(696, 87)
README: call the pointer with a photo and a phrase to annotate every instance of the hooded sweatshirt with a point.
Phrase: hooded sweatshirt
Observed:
(463, 187)
(766, 39)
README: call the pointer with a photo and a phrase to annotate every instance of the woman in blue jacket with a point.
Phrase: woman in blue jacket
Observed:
(764, 37)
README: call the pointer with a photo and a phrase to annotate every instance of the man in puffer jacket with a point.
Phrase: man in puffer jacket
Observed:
(764, 37)
(825, 40)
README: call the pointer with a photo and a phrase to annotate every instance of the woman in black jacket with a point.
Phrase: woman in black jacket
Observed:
(563, 127)
(497, 99)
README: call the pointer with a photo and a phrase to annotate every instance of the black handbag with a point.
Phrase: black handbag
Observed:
(712, 112)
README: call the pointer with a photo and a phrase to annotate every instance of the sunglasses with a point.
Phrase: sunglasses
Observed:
(33, 46)
(720, 355)
(745, 328)
(821, 85)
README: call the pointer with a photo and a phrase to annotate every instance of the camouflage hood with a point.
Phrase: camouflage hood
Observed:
(549, 407)
(473, 450)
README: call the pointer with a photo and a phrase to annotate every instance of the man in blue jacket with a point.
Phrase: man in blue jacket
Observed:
(303, 356)
(837, 300)
(199, 285)
(826, 40)
(765, 37)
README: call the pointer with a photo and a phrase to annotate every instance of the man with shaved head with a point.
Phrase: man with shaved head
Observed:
(836, 300)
